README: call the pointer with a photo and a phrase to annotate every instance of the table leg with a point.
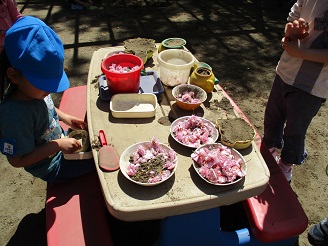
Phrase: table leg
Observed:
(199, 228)
(203, 228)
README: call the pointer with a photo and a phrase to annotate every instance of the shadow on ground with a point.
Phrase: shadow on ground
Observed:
(230, 35)
(31, 231)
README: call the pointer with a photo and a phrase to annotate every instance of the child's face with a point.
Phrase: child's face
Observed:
(25, 90)
(30, 91)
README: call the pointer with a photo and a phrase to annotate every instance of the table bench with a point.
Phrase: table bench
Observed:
(76, 213)
(275, 214)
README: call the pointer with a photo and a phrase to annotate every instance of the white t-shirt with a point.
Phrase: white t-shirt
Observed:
(309, 76)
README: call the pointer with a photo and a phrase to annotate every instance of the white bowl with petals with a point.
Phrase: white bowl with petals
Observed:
(235, 155)
(179, 121)
(128, 153)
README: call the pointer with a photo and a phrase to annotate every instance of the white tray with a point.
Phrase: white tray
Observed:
(133, 105)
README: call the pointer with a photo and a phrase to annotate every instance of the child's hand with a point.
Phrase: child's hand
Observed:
(298, 29)
(76, 123)
(72, 121)
(291, 47)
(68, 145)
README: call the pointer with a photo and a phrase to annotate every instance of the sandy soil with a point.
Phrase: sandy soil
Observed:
(242, 44)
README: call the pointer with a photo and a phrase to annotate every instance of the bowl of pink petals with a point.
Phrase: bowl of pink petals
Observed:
(148, 163)
(189, 97)
(193, 131)
(218, 164)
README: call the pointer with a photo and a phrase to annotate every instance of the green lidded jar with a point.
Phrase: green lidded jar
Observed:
(172, 43)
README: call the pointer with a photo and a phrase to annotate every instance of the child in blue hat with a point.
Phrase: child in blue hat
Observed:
(33, 67)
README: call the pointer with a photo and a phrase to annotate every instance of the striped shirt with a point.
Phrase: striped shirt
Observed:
(309, 76)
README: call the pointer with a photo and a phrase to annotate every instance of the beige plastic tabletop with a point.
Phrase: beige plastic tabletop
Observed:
(185, 191)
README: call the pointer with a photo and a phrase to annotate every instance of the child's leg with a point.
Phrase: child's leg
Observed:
(274, 118)
(72, 168)
(301, 107)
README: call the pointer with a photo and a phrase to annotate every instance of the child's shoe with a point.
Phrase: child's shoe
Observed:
(318, 234)
(286, 169)
(274, 153)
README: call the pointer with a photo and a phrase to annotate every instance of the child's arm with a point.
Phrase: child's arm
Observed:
(72, 121)
(13, 11)
(295, 11)
(315, 55)
(66, 145)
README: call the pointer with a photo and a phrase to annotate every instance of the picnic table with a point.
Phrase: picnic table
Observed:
(183, 193)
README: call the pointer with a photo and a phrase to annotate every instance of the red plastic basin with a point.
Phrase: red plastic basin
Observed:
(127, 82)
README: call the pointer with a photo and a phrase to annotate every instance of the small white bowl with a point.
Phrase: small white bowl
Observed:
(178, 121)
(125, 162)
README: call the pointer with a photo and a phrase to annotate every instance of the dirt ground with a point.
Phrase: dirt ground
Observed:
(239, 39)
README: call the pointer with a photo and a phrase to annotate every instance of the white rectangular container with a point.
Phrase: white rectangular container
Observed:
(133, 105)
(79, 156)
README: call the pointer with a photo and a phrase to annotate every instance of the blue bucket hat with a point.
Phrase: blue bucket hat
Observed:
(35, 49)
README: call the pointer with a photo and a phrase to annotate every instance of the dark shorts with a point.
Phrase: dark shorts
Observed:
(68, 169)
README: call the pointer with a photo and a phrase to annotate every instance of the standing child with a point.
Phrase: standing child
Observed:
(30, 134)
(301, 83)
(9, 14)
